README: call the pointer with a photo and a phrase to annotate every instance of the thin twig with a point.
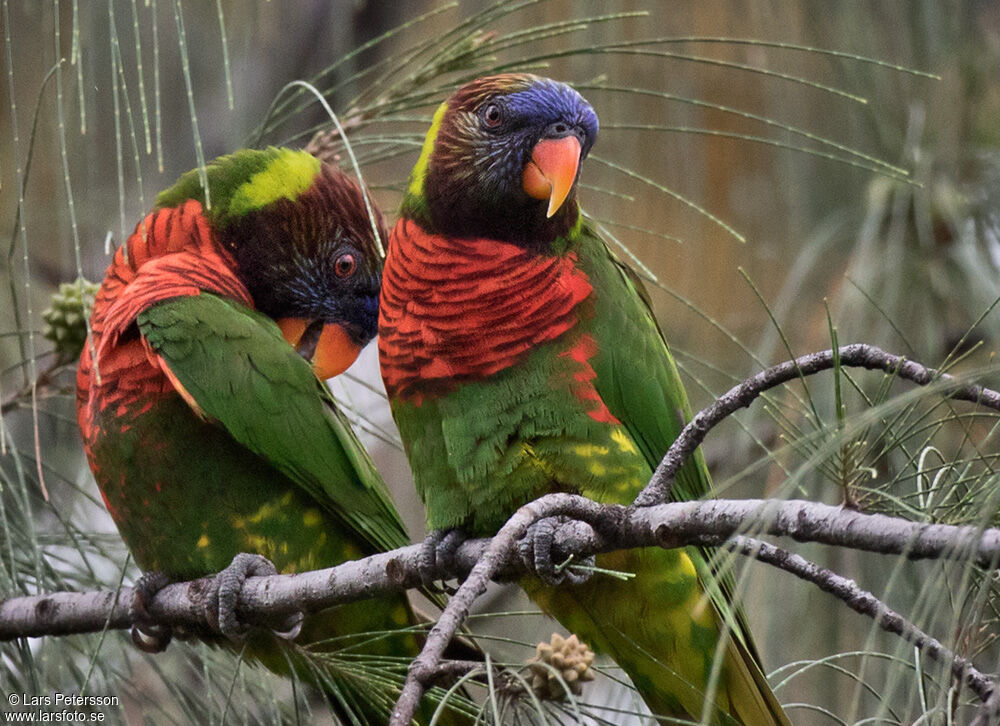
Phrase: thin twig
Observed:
(858, 355)
(864, 602)
(424, 667)
(42, 382)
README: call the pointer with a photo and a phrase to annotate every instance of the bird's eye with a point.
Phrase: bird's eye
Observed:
(345, 265)
(492, 116)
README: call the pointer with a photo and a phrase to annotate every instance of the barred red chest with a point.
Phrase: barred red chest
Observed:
(455, 310)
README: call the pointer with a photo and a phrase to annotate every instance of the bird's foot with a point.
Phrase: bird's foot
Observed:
(542, 556)
(224, 595)
(147, 635)
(438, 552)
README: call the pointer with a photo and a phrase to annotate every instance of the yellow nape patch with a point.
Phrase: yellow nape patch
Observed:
(420, 169)
(203, 541)
(287, 175)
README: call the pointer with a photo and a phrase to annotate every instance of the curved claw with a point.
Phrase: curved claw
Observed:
(147, 636)
(292, 626)
(537, 549)
(437, 552)
(224, 595)
(151, 638)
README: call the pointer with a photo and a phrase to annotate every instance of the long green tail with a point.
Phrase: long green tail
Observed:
(662, 630)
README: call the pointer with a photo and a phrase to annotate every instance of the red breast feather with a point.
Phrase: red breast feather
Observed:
(463, 309)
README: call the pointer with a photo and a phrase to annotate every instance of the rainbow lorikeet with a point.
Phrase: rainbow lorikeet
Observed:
(210, 435)
(521, 358)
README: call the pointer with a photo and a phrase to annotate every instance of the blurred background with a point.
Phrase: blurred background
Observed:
(776, 169)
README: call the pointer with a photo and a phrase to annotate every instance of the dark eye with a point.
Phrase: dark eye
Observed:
(492, 116)
(345, 265)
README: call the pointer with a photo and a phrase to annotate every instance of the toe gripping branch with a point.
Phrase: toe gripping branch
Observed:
(221, 603)
(437, 554)
(542, 554)
(147, 635)
(222, 599)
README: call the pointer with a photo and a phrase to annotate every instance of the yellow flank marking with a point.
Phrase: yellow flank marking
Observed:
(400, 616)
(590, 451)
(686, 566)
(420, 169)
(203, 541)
(624, 441)
(268, 510)
(630, 484)
(286, 176)
(257, 543)
(529, 459)
(311, 518)
(597, 468)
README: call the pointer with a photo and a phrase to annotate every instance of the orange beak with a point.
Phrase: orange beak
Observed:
(551, 172)
(330, 350)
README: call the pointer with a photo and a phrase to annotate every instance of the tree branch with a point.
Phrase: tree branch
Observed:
(266, 599)
(43, 383)
(858, 355)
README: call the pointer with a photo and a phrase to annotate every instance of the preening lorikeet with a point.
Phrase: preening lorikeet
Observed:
(521, 357)
(210, 435)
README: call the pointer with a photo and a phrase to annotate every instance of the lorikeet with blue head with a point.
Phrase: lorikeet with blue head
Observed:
(521, 358)
(203, 410)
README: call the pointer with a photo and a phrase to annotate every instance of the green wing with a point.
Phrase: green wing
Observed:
(638, 380)
(237, 370)
(636, 374)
